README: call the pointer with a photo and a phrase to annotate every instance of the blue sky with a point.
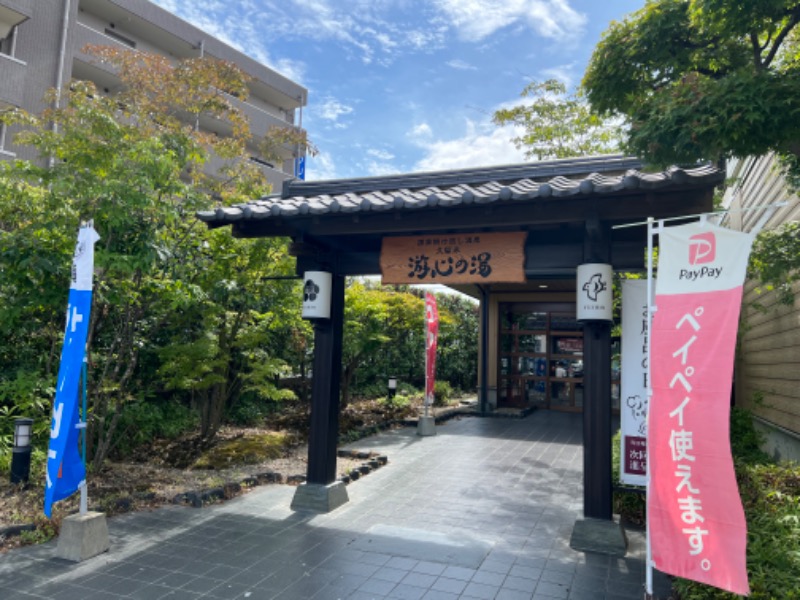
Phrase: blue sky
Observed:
(399, 86)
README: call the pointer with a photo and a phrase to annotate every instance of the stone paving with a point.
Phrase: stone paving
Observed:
(482, 510)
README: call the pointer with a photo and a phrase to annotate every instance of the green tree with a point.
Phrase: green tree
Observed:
(399, 340)
(775, 260)
(457, 361)
(365, 314)
(702, 79)
(133, 162)
(557, 124)
(220, 345)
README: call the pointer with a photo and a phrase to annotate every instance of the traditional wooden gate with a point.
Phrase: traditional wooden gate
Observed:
(439, 228)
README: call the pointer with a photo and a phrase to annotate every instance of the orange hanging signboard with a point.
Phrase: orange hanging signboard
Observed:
(454, 258)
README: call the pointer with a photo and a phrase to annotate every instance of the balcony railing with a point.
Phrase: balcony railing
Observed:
(260, 120)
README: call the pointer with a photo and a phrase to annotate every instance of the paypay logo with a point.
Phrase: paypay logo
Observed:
(702, 248)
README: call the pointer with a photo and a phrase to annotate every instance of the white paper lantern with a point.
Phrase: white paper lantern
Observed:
(317, 295)
(594, 298)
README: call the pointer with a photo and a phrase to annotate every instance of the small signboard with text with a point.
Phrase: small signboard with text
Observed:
(634, 374)
(454, 258)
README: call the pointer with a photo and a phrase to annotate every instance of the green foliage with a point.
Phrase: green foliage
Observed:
(746, 441)
(457, 353)
(442, 393)
(25, 395)
(701, 79)
(365, 315)
(188, 325)
(775, 261)
(143, 421)
(250, 411)
(397, 401)
(385, 336)
(557, 124)
(180, 313)
(44, 532)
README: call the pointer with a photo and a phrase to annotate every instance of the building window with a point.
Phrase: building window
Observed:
(3, 133)
(8, 44)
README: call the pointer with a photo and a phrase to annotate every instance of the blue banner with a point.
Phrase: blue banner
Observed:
(65, 469)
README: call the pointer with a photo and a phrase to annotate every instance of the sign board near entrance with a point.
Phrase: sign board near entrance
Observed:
(454, 258)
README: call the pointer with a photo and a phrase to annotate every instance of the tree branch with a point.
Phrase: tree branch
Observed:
(793, 20)
(756, 51)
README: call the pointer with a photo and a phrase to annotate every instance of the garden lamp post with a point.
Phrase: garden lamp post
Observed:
(392, 386)
(21, 453)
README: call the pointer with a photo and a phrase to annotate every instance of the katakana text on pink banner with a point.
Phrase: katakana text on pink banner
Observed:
(695, 518)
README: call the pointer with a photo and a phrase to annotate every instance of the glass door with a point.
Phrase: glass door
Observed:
(541, 357)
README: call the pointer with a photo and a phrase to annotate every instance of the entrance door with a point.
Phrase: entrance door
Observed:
(541, 356)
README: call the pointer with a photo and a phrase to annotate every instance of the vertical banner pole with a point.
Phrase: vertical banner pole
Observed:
(426, 401)
(650, 310)
(84, 418)
(83, 424)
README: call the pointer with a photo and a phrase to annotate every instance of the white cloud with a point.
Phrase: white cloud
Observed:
(420, 133)
(380, 154)
(371, 31)
(331, 109)
(292, 69)
(461, 65)
(564, 73)
(367, 29)
(478, 19)
(320, 167)
(376, 168)
(482, 145)
(240, 26)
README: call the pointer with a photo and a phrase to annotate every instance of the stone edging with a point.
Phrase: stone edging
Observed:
(372, 461)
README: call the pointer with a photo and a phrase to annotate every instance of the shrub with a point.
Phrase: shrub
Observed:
(251, 411)
(142, 422)
(396, 401)
(442, 393)
(746, 441)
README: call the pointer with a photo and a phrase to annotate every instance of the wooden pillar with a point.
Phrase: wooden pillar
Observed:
(324, 434)
(597, 421)
(484, 406)
(597, 491)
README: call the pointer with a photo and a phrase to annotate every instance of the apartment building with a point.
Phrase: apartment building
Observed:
(41, 45)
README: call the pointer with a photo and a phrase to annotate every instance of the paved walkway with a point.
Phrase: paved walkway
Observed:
(482, 510)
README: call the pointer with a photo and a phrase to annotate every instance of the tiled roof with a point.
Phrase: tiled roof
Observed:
(526, 182)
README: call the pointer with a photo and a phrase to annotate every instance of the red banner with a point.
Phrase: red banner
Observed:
(696, 523)
(431, 338)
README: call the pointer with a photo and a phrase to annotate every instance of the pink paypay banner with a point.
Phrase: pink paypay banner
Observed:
(431, 340)
(695, 518)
